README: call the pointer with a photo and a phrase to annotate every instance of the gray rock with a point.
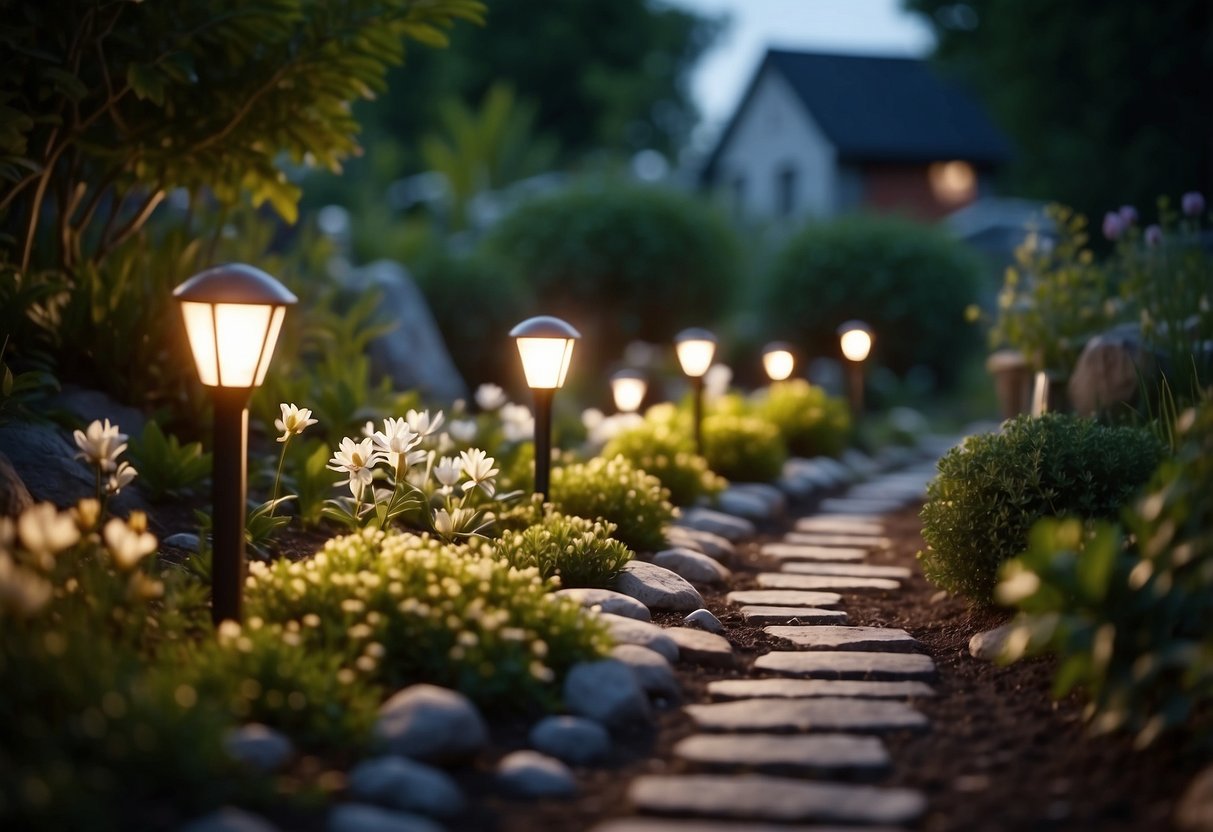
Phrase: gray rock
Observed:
(413, 354)
(712, 545)
(704, 620)
(573, 739)
(848, 665)
(14, 496)
(796, 486)
(850, 570)
(783, 598)
(430, 723)
(693, 566)
(657, 588)
(698, 647)
(399, 783)
(357, 817)
(652, 670)
(810, 688)
(44, 458)
(821, 754)
(753, 797)
(631, 631)
(607, 600)
(768, 493)
(606, 691)
(87, 405)
(531, 774)
(1109, 371)
(859, 462)
(744, 504)
(814, 714)
(834, 469)
(1194, 812)
(229, 819)
(258, 746)
(886, 639)
(792, 615)
(782, 580)
(989, 645)
(808, 551)
(726, 525)
(183, 540)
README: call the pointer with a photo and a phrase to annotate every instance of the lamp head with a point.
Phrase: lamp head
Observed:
(855, 338)
(628, 388)
(778, 360)
(695, 347)
(233, 314)
(545, 345)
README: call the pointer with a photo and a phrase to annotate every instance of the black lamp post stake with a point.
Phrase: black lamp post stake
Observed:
(856, 387)
(543, 440)
(229, 491)
(697, 395)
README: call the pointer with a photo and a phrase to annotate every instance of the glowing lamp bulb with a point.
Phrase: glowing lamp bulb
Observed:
(545, 345)
(855, 338)
(628, 387)
(695, 348)
(778, 361)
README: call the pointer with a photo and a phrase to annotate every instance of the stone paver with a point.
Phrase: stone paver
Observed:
(804, 753)
(782, 580)
(844, 505)
(808, 688)
(700, 647)
(815, 714)
(853, 570)
(840, 524)
(797, 551)
(837, 540)
(847, 665)
(654, 824)
(774, 799)
(890, 639)
(783, 598)
(786, 615)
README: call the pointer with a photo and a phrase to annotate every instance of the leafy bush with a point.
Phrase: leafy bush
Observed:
(402, 609)
(990, 490)
(663, 447)
(617, 492)
(743, 448)
(1131, 622)
(166, 467)
(617, 260)
(911, 282)
(580, 552)
(811, 422)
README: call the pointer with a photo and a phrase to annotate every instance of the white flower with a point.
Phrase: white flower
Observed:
(490, 397)
(127, 545)
(45, 531)
(592, 417)
(121, 478)
(355, 459)
(294, 421)
(453, 521)
(422, 423)
(447, 471)
(463, 430)
(479, 469)
(22, 592)
(100, 444)
(517, 424)
(368, 430)
(397, 439)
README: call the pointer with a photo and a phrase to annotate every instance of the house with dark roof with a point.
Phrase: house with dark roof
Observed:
(819, 135)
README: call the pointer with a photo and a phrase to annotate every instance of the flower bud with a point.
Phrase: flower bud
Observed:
(1193, 204)
(1113, 225)
(1128, 215)
(1153, 236)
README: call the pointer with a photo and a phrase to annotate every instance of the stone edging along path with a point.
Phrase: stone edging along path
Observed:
(795, 743)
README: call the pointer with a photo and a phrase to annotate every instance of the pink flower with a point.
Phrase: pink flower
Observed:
(1193, 204)
(1128, 215)
(1113, 225)
(1153, 236)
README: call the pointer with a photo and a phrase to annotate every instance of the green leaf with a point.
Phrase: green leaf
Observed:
(147, 83)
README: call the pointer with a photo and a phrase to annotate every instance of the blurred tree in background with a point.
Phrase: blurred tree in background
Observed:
(1109, 101)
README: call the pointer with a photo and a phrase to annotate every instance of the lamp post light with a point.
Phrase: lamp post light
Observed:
(628, 388)
(545, 345)
(778, 360)
(696, 347)
(855, 339)
(232, 314)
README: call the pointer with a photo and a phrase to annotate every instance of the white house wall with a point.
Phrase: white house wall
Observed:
(774, 132)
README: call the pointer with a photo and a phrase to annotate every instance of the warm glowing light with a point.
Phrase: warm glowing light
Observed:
(778, 361)
(856, 340)
(953, 183)
(629, 388)
(696, 348)
(233, 315)
(545, 345)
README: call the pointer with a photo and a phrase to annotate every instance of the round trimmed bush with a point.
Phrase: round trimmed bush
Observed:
(617, 492)
(911, 282)
(743, 448)
(665, 449)
(993, 487)
(811, 422)
(580, 552)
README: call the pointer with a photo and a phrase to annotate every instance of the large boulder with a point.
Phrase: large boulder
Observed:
(413, 354)
(1110, 371)
(44, 457)
(14, 496)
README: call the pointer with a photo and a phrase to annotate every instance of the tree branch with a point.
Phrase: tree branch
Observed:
(131, 228)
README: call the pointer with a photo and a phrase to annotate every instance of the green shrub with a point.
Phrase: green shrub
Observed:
(1131, 623)
(616, 259)
(990, 490)
(811, 422)
(617, 492)
(665, 449)
(911, 282)
(580, 552)
(743, 448)
(402, 608)
(166, 467)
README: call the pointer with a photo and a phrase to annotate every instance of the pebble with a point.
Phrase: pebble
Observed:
(704, 620)
(654, 673)
(727, 526)
(810, 688)
(258, 746)
(608, 600)
(695, 567)
(528, 773)
(606, 691)
(400, 783)
(573, 739)
(848, 665)
(631, 631)
(891, 639)
(815, 714)
(357, 817)
(699, 647)
(989, 645)
(430, 723)
(183, 540)
(657, 587)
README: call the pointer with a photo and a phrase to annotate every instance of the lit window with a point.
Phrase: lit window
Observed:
(953, 183)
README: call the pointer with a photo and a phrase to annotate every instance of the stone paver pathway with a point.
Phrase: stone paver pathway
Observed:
(781, 749)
